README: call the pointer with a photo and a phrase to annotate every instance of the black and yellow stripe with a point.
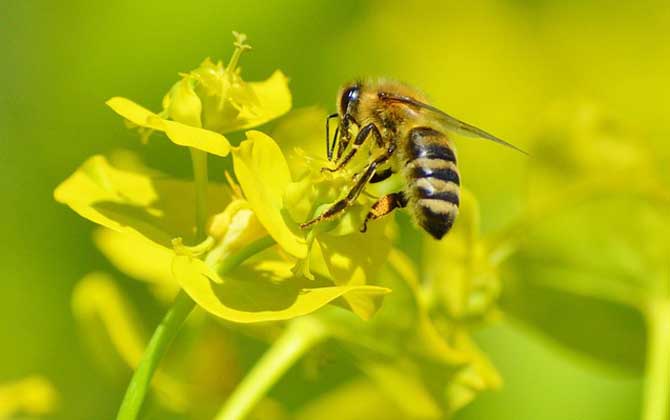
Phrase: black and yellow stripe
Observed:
(433, 180)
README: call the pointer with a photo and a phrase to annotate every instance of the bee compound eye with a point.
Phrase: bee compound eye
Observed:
(349, 96)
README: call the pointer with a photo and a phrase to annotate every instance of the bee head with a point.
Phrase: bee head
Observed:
(349, 97)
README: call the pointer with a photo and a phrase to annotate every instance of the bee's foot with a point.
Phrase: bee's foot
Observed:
(307, 224)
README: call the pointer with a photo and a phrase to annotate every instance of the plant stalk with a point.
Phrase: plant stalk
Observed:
(200, 176)
(158, 344)
(656, 401)
(300, 336)
(167, 330)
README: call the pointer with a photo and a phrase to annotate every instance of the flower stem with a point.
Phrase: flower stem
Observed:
(657, 372)
(199, 161)
(300, 336)
(234, 260)
(165, 332)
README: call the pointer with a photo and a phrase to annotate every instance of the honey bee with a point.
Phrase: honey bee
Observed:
(411, 137)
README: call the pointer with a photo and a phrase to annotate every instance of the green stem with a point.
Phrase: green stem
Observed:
(300, 336)
(200, 175)
(165, 332)
(657, 373)
(234, 260)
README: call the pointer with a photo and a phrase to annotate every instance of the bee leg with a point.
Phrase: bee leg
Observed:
(361, 137)
(382, 175)
(384, 206)
(345, 135)
(353, 194)
(342, 204)
(329, 151)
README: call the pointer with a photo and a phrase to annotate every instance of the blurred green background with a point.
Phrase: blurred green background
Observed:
(517, 68)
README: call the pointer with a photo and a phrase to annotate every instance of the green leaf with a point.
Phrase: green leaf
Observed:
(598, 327)
(258, 293)
(599, 271)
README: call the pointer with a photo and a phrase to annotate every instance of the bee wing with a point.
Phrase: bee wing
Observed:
(448, 122)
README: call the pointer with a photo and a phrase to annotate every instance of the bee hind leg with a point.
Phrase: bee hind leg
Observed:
(384, 206)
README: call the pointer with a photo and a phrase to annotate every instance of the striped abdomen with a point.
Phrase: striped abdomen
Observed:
(432, 180)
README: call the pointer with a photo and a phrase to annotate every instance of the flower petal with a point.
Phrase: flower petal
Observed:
(251, 297)
(199, 138)
(271, 98)
(33, 395)
(264, 176)
(355, 260)
(139, 258)
(274, 97)
(466, 284)
(136, 200)
(100, 307)
(178, 133)
(135, 113)
(401, 381)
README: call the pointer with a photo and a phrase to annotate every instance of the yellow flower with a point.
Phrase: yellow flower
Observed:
(416, 362)
(149, 210)
(209, 101)
(343, 263)
(466, 284)
(33, 395)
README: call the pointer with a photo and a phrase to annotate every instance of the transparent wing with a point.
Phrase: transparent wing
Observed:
(448, 122)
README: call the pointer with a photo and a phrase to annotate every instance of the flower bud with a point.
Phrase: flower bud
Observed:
(184, 105)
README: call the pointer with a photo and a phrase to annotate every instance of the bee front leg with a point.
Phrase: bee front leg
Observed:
(342, 204)
(353, 194)
(365, 133)
(345, 135)
(329, 149)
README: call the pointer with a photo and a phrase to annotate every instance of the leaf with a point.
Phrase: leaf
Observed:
(264, 176)
(131, 200)
(603, 329)
(254, 294)
(585, 277)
